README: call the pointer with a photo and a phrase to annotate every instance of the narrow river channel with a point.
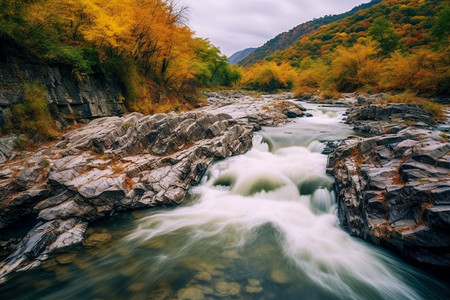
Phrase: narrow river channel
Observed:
(261, 225)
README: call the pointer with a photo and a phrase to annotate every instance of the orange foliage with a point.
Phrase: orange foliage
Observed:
(424, 72)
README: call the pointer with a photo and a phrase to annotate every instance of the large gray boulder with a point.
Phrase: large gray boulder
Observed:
(390, 118)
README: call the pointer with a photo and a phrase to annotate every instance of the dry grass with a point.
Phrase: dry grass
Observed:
(357, 156)
(118, 169)
(383, 230)
(331, 94)
(129, 183)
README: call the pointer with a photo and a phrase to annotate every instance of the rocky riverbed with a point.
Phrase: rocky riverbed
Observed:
(393, 188)
(116, 164)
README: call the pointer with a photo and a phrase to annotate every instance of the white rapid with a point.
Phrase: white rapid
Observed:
(245, 193)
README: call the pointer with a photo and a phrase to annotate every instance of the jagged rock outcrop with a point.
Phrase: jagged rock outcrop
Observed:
(7, 145)
(394, 188)
(86, 98)
(116, 164)
(381, 118)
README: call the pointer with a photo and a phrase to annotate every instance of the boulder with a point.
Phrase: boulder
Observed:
(41, 240)
(7, 145)
(391, 118)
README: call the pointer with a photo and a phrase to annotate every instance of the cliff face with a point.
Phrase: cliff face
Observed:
(394, 188)
(87, 98)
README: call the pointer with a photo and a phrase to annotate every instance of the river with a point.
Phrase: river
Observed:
(261, 225)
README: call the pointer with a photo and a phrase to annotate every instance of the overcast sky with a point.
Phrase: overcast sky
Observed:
(233, 25)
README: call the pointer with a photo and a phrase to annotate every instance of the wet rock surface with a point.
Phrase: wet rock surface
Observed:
(117, 164)
(394, 188)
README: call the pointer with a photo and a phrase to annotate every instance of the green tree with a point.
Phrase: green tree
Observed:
(212, 66)
(383, 32)
(441, 29)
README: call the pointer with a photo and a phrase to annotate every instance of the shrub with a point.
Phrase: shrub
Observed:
(312, 78)
(32, 117)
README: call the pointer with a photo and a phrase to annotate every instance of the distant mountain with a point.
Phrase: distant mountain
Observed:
(286, 39)
(236, 57)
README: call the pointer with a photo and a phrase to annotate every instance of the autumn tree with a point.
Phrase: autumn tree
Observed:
(312, 77)
(355, 67)
(269, 77)
(425, 73)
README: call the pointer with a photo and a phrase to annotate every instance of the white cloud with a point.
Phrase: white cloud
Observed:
(234, 25)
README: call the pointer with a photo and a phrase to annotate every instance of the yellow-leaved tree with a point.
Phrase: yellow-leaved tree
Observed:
(355, 67)
(269, 76)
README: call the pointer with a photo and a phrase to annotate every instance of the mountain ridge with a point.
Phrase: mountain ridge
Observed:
(239, 55)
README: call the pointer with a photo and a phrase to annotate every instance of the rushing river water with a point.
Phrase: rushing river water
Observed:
(261, 225)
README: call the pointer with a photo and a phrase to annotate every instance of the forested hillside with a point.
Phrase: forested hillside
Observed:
(396, 46)
(286, 39)
(142, 43)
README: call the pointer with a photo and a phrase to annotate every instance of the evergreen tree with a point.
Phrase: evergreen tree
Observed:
(384, 33)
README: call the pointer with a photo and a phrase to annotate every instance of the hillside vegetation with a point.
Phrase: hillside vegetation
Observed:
(143, 43)
(395, 46)
(286, 39)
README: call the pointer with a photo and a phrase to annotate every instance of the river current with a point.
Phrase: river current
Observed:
(261, 225)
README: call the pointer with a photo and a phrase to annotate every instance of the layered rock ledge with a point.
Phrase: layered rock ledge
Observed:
(117, 164)
(394, 188)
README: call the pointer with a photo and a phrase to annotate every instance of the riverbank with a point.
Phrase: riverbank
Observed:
(117, 164)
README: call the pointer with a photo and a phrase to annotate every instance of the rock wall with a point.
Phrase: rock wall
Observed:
(394, 188)
(87, 98)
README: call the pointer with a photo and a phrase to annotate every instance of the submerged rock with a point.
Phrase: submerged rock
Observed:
(226, 289)
(203, 276)
(66, 258)
(279, 276)
(394, 189)
(253, 286)
(97, 239)
(190, 293)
